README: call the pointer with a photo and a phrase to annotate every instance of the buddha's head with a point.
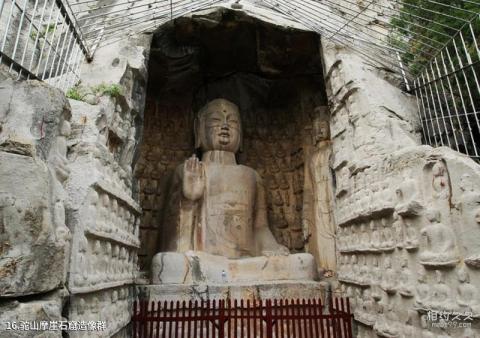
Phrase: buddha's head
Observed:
(218, 127)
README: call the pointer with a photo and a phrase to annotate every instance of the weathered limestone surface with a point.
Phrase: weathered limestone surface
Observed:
(405, 236)
(112, 306)
(34, 240)
(252, 291)
(101, 210)
(28, 242)
(202, 268)
(46, 309)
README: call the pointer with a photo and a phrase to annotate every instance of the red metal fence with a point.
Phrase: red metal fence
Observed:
(239, 319)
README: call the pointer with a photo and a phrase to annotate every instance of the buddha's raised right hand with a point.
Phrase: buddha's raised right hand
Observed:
(193, 178)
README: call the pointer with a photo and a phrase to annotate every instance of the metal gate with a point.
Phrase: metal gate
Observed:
(238, 319)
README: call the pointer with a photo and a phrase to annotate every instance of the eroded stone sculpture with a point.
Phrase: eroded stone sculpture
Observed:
(439, 244)
(217, 207)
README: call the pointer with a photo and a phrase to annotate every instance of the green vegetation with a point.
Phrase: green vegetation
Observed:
(81, 93)
(424, 30)
(46, 29)
(424, 26)
(74, 94)
(112, 90)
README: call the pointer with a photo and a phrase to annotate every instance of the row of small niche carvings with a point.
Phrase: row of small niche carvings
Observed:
(377, 235)
(426, 296)
(435, 240)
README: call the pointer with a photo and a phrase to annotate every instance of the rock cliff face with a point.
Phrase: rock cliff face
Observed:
(34, 239)
(406, 215)
(405, 218)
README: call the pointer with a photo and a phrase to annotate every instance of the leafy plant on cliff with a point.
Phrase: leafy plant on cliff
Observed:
(74, 94)
(112, 90)
(423, 26)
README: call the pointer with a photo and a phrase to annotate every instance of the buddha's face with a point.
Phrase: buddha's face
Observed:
(219, 127)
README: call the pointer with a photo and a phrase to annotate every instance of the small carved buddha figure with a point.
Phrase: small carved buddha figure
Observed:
(351, 295)
(355, 269)
(392, 326)
(411, 236)
(364, 271)
(439, 244)
(348, 268)
(390, 277)
(406, 279)
(83, 268)
(93, 206)
(387, 240)
(376, 272)
(467, 298)
(364, 238)
(441, 187)
(104, 213)
(341, 239)
(408, 198)
(355, 239)
(341, 267)
(422, 291)
(368, 306)
(398, 230)
(425, 331)
(97, 263)
(376, 244)
(441, 297)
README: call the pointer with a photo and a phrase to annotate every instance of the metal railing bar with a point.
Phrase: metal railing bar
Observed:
(51, 42)
(445, 99)
(28, 34)
(110, 6)
(17, 38)
(434, 107)
(429, 110)
(350, 20)
(452, 38)
(7, 28)
(126, 24)
(457, 70)
(37, 37)
(425, 127)
(16, 66)
(386, 23)
(453, 99)
(461, 96)
(466, 78)
(175, 15)
(389, 63)
(435, 84)
(86, 18)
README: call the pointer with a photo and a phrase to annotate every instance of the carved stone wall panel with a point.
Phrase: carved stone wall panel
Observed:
(110, 306)
(34, 125)
(408, 263)
(407, 230)
(106, 229)
(102, 211)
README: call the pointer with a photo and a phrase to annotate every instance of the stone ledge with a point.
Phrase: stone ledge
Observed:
(252, 291)
(101, 286)
(113, 237)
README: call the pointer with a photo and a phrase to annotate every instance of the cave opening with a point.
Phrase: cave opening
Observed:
(272, 73)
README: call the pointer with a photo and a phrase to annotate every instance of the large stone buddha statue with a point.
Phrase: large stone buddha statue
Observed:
(216, 217)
